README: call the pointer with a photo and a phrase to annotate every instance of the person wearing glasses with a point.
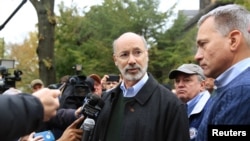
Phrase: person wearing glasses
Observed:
(139, 108)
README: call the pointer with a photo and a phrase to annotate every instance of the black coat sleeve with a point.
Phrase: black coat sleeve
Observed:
(20, 115)
(63, 118)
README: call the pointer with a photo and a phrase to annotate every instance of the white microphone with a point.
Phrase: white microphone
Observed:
(87, 127)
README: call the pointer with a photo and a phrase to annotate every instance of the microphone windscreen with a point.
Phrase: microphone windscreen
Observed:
(88, 124)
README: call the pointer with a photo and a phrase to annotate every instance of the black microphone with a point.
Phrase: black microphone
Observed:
(87, 127)
(92, 105)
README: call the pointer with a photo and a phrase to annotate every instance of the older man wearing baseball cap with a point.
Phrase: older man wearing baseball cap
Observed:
(190, 88)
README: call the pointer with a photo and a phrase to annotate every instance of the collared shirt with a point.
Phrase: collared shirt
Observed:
(232, 73)
(232, 99)
(131, 92)
(197, 108)
(196, 104)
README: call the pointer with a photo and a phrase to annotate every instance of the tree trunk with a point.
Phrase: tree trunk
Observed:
(45, 49)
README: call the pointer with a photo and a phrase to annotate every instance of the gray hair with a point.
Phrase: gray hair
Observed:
(200, 78)
(142, 38)
(228, 18)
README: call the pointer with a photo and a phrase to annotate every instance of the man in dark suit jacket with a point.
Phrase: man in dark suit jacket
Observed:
(139, 109)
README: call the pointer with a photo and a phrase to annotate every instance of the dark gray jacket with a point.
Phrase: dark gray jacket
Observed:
(158, 115)
(20, 115)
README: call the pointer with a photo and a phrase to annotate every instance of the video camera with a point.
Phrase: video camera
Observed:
(6, 79)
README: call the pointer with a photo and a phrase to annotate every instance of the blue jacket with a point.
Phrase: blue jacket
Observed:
(197, 113)
(230, 105)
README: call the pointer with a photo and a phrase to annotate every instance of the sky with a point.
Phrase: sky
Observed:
(23, 22)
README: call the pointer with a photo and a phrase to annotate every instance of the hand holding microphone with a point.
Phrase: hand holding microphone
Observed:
(73, 133)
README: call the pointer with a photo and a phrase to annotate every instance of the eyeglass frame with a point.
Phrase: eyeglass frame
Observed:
(124, 55)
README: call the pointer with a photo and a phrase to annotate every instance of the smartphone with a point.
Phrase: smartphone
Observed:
(47, 135)
(113, 77)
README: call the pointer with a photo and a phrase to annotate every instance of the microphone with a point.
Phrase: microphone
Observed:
(92, 105)
(87, 127)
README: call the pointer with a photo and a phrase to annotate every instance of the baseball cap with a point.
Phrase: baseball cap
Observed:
(35, 82)
(188, 69)
(96, 78)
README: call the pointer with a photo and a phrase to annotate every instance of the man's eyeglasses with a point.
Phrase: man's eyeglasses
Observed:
(125, 54)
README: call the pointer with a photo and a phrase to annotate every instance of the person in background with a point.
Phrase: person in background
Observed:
(36, 84)
(64, 79)
(189, 82)
(11, 91)
(209, 85)
(139, 108)
(97, 86)
(21, 114)
(223, 51)
(109, 82)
